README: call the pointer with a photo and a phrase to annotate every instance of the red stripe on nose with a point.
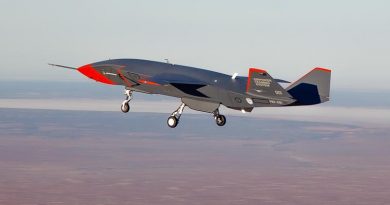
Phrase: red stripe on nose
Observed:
(92, 73)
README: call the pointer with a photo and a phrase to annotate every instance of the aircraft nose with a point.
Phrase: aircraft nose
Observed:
(94, 73)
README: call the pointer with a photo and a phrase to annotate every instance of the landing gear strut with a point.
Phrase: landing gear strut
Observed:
(173, 120)
(125, 107)
(219, 119)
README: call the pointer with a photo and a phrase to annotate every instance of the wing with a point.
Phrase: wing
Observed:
(281, 81)
(186, 84)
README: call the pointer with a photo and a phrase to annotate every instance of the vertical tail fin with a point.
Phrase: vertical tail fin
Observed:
(312, 88)
(261, 84)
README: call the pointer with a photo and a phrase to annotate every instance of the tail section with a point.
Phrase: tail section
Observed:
(260, 84)
(312, 88)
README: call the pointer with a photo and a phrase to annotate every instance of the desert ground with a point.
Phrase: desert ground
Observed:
(75, 157)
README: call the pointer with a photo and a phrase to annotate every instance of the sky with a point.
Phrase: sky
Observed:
(287, 38)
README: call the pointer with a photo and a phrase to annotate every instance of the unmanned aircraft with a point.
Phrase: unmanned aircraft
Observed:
(205, 90)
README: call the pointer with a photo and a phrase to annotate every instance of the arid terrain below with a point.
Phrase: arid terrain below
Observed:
(74, 157)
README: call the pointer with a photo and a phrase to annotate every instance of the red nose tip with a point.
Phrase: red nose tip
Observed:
(94, 74)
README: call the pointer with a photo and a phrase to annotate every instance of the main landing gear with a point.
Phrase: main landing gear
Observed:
(173, 120)
(125, 107)
(219, 119)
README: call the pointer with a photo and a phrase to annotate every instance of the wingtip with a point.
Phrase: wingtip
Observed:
(323, 69)
(282, 81)
(259, 70)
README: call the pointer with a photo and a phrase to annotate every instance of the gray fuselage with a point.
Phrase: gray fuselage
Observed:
(181, 81)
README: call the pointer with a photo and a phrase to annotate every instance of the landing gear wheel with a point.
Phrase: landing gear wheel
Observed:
(220, 120)
(125, 107)
(172, 121)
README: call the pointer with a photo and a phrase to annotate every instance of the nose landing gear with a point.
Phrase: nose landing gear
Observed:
(125, 107)
(173, 120)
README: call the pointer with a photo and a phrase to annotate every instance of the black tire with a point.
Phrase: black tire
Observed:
(125, 107)
(172, 122)
(220, 120)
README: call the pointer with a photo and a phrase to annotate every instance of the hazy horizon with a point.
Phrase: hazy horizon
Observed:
(344, 106)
